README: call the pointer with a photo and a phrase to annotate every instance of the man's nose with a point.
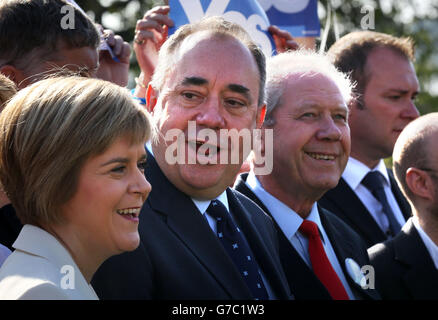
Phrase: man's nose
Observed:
(410, 111)
(329, 130)
(211, 114)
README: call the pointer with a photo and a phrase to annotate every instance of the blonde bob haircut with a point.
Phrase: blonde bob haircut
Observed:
(49, 129)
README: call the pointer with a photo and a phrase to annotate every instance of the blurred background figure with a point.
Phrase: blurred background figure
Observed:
(38, 37)
(407, 266)
(367, 196)
(72, 164)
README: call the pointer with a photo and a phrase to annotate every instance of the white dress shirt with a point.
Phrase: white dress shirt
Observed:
(431, 247)
(353, 175)
(289, 222)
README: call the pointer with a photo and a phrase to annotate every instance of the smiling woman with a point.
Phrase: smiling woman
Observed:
(72, 163)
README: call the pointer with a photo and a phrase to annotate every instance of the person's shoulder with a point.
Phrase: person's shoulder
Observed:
(26, 266)
(32, 289)
(384, 252)
(381, 254)
(29, 278)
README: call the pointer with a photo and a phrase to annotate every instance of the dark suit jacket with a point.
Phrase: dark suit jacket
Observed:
(344, 202)
(346, 244)
(403, 267)
(10, 226)
(179, 256)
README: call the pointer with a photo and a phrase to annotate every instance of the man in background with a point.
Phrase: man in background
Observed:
(35, 42)
(367, 197)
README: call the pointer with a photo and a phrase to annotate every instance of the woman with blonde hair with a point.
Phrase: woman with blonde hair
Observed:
(72, 161)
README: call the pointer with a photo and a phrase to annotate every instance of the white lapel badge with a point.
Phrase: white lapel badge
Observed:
(354, 271)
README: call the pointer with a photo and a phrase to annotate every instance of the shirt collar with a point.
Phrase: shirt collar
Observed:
(287, 219)
(148, 147)
(203, 205)
(355, 171)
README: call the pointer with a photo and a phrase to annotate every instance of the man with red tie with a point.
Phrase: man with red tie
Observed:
(307, 115)
(367, 196)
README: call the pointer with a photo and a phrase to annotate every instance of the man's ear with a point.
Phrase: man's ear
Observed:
(261, 113)
(12, 73)
(419, 183)
(151, 98)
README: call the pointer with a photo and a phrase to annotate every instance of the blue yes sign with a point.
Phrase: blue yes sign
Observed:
(299, 17)
(247, 13)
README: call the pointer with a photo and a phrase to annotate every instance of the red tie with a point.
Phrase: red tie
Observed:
(321, 264)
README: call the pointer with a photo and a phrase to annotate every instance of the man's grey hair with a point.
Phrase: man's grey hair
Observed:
(301, 62)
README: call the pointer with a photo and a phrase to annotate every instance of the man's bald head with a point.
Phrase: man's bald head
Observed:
(414, 149)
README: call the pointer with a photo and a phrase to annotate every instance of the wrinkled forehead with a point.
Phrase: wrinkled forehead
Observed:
(205, 39)
(214, 57)
(314, 88)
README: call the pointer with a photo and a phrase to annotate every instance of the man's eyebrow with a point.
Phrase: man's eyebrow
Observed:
(401, 91)
(197, 81)
(240, 89)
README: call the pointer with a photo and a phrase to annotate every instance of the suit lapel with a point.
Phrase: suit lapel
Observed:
(343, 249)
(188, 224)
(244, 189)
(302, 281)
(353, 209)
(421, 277)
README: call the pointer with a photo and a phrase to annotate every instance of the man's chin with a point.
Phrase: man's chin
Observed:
(206, 184)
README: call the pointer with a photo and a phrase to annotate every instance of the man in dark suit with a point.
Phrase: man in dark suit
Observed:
(367, 197)
(406, 267)
(306, 136)
(210, 77)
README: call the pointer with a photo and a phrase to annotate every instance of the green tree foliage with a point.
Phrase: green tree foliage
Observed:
(414, 18)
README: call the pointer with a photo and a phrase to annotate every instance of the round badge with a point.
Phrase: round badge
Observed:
(354, 271)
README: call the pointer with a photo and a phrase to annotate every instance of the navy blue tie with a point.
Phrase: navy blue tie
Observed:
(237, 248)
(374, 182)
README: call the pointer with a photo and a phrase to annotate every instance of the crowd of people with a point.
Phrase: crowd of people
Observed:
(110, 193)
